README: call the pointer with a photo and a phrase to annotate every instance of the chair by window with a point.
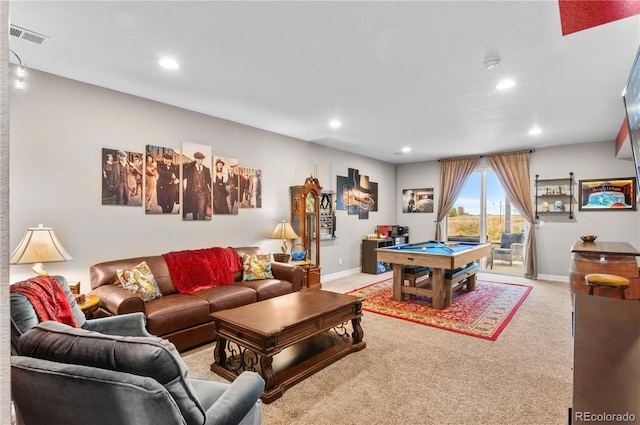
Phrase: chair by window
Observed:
(511, 247)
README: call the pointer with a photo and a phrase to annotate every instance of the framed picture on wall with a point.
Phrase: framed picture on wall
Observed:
(615, 194)
(631, 97)
(417, 200)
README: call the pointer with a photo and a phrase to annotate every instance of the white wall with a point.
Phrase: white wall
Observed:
(587, 161)
(422, 226)
(555, 237)
(58, 128)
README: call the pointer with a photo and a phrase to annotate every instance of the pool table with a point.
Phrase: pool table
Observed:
(441, 257)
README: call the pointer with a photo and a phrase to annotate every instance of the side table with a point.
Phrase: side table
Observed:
(90, 305)
(74, 287)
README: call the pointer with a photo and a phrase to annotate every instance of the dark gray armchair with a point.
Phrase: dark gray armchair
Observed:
(511, 246)
(24, 317)
(66, 376)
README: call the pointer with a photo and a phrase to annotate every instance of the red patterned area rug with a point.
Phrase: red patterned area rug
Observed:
(483, 313)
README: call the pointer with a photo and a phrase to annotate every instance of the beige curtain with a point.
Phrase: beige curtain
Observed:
(512, 170)
(453, 174)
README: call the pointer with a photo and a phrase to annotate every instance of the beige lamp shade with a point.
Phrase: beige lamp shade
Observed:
(284, 231)
(39, 245)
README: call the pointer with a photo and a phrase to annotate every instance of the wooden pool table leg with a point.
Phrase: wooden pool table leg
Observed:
(439, 298)
(398, 272)
(471, 282)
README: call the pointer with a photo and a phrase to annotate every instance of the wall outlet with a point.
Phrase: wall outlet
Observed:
(339, 260)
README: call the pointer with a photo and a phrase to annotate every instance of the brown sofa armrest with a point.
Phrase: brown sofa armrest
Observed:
(288, 272)
(117, 300)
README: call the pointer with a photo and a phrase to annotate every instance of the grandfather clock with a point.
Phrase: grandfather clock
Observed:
(305, 220)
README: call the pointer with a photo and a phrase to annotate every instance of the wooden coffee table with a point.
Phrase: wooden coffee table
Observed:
(287, 338)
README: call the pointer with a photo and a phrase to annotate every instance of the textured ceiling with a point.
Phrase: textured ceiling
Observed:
(395, 73)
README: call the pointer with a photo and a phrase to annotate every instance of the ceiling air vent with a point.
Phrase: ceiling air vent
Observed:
(27, 35)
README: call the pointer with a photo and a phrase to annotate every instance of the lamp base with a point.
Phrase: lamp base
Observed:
(39, 269)
(281, 258)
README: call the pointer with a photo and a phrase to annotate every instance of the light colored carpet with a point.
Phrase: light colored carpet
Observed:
(415, 374)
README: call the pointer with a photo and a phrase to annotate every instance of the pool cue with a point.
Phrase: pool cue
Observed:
(444, 246)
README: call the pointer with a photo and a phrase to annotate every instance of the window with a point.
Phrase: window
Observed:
(482, 208)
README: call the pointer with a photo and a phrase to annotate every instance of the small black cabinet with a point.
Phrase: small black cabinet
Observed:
(370, 256)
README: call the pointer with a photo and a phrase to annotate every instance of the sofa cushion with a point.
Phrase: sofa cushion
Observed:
(140, 281)
(268, 288)
(175, 312)
(144, 356)
(224, 297)
(502, 251)
(256, 267)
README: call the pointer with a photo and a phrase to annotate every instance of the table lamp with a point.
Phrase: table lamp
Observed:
(283, 231)
(39, 245)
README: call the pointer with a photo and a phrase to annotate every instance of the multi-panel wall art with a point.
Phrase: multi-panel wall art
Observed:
(195, 183)
(356, 194)
(121, 177)
(226, 185)
(162, 188)
(196, 179)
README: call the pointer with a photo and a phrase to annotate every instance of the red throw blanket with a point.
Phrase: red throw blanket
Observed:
(193, 270)
(233, 259)
(48, 299)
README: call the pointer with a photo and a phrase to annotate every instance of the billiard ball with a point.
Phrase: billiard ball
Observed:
(424, 248)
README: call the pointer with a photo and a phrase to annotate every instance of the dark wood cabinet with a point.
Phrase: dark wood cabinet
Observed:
(305, 220)
(369, 255)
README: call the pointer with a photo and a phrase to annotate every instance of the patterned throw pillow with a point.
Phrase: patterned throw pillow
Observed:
(140, 281)
(256, 267)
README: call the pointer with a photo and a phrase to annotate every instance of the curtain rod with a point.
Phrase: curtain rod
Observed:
(485, 155)
(507, 153)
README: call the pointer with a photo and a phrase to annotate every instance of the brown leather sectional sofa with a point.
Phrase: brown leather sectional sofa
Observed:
(185, 319)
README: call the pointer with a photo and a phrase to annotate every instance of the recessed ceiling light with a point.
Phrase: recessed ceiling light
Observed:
(169, 63)
(406, 149)
(535, 131)
(335, 124)
(505, 84)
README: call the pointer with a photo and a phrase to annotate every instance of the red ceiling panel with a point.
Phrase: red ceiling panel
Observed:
(578, 15)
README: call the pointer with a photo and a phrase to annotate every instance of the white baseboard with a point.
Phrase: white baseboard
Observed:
(346, 273)
(338, 275)
(554, 278)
